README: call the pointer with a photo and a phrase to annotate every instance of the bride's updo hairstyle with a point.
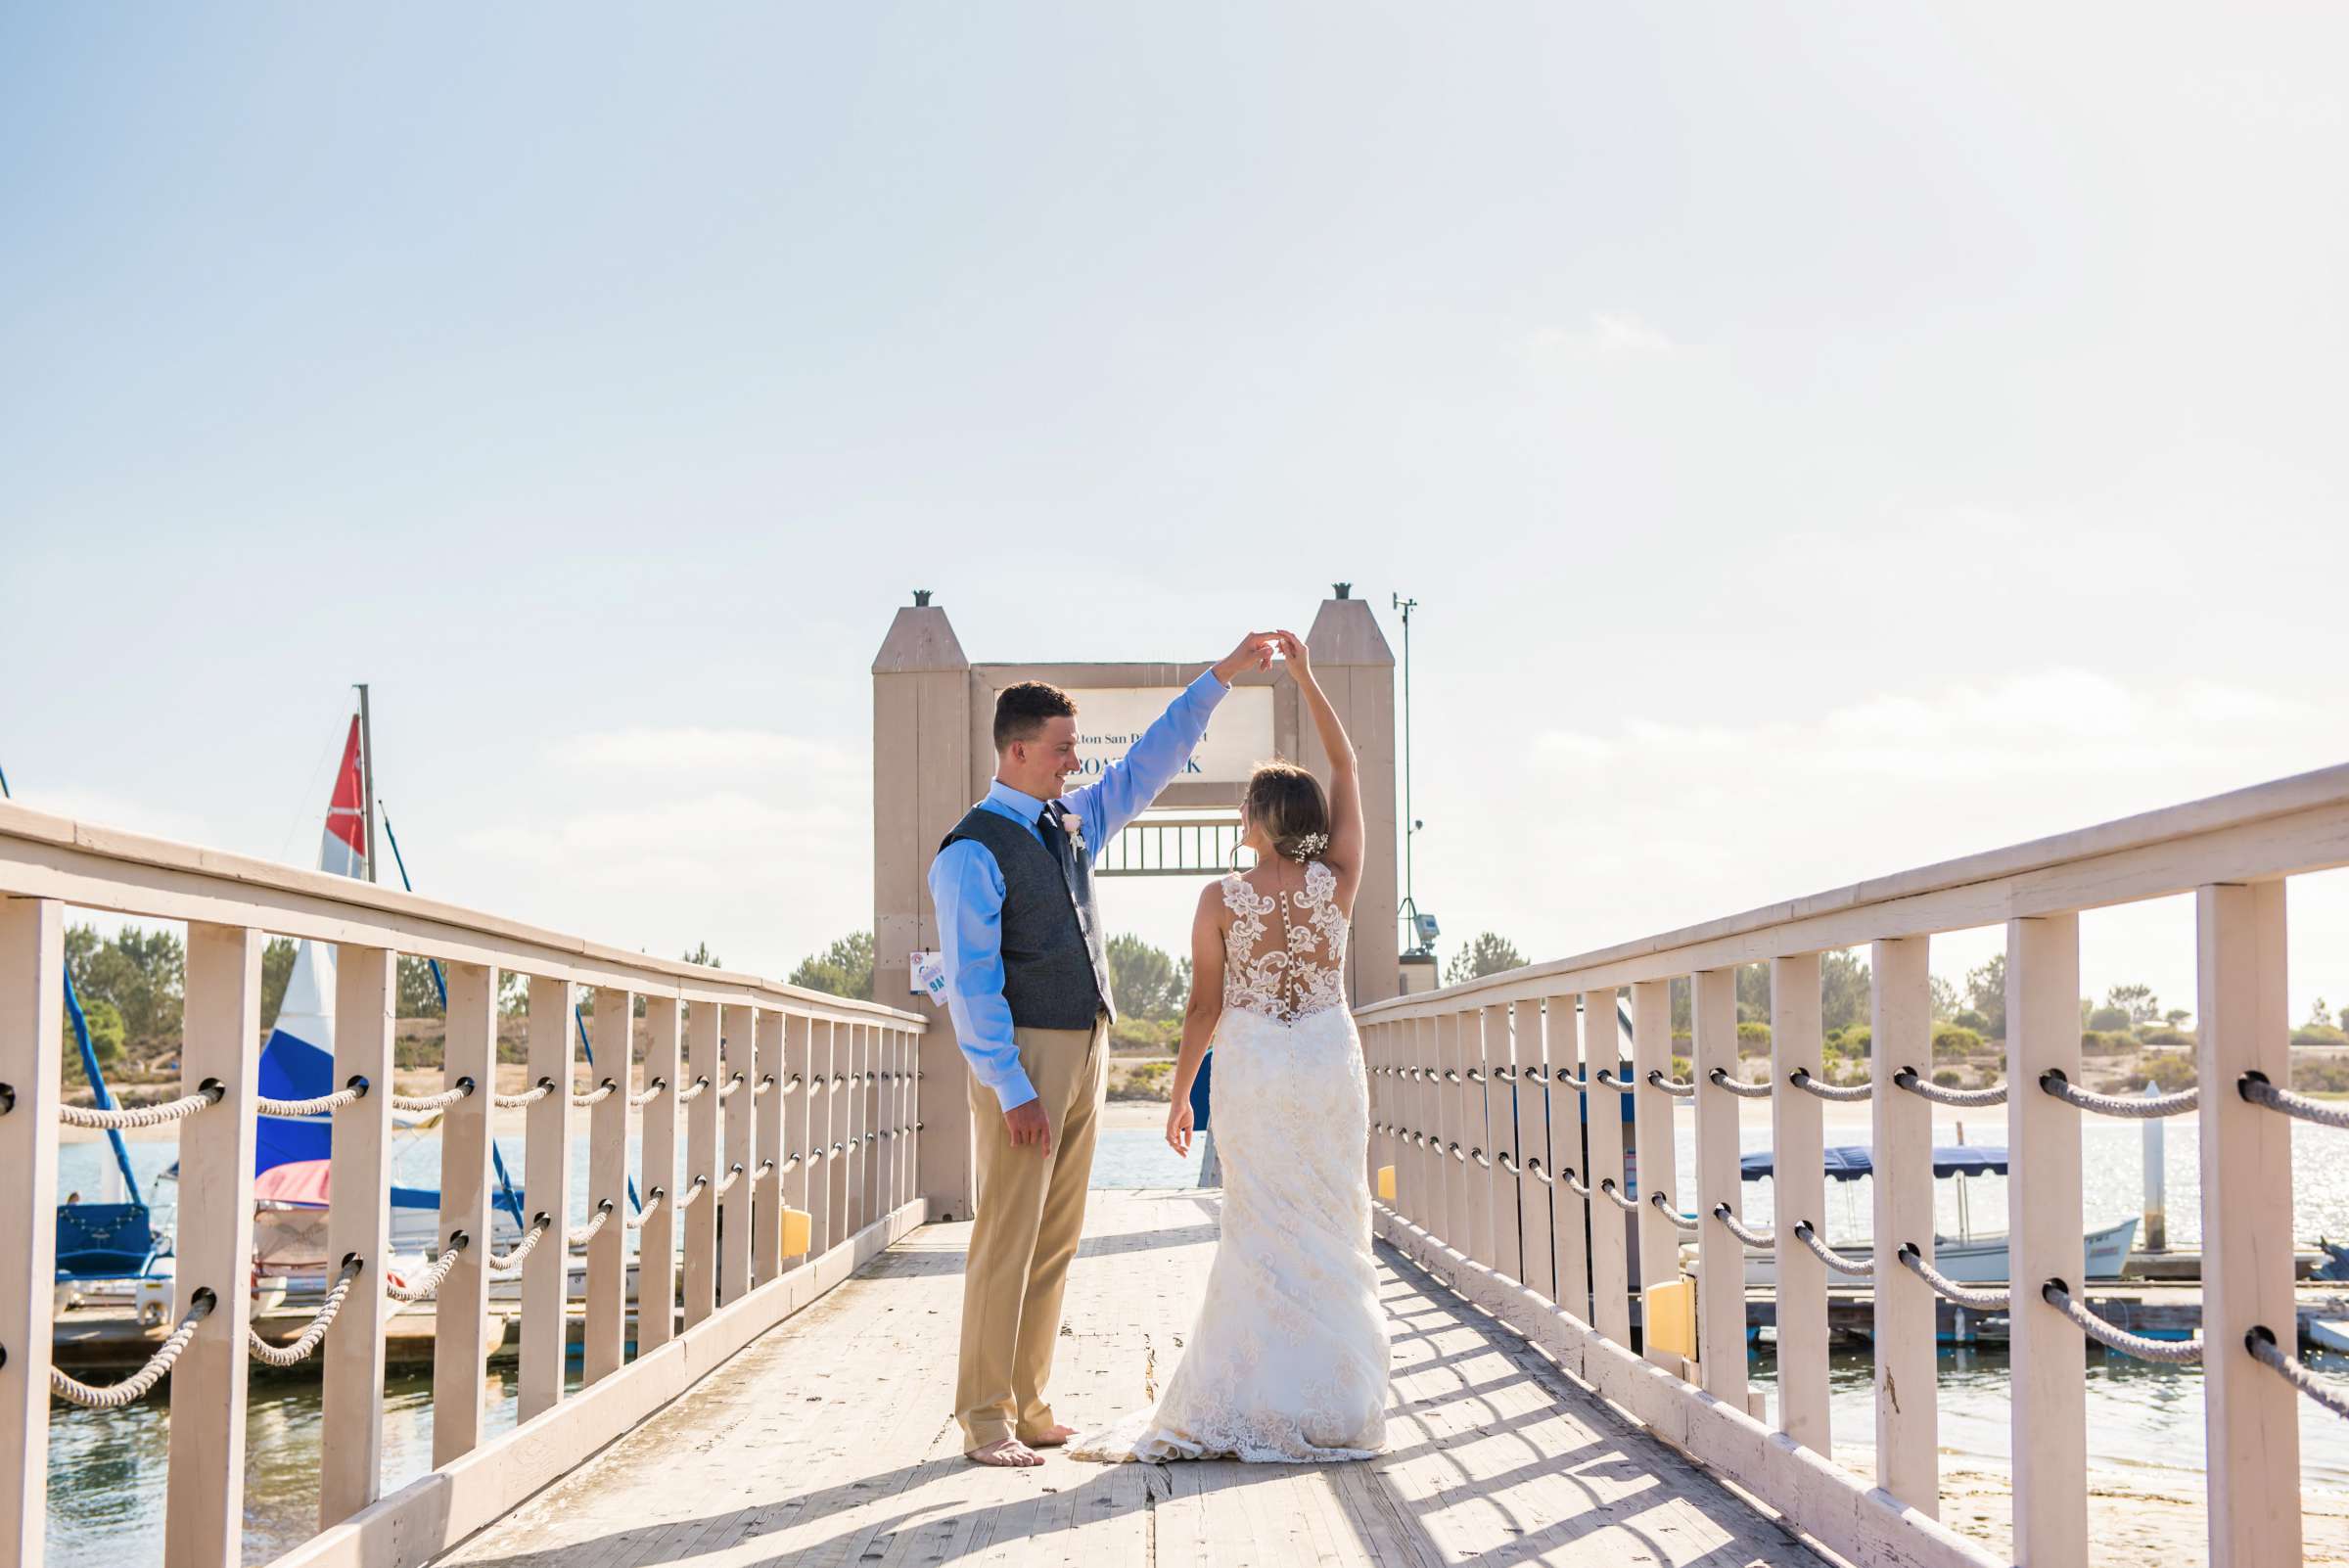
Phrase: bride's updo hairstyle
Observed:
(1288, 803)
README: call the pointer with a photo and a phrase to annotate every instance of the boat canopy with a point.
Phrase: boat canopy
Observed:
(1849, 1161)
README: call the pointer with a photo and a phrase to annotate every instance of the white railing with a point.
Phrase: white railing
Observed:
(838, 1147)
(1477, 1103)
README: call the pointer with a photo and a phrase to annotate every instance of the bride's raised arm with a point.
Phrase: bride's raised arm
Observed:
(1345, 834)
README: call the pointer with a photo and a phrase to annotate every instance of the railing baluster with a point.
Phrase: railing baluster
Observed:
(1908, 1405)
(2046, 1354)
(875, 1154)
(702, 1159)
(546, 1190)
(2251, 1415)
(767, 1066)
(203, 1510)
(737, 1024)
(1570, 1214)
(1452, 1113)
(1721, 1294)
(1532, 1142)
(350, 1429)
(1498, 1058)
(807, 1176)
(461, 1305)
(1377, 1150)
(1655, 1147)
(1434, 1213)
(1798, 1190)
(657, 1243)
(840, 1058)
(1610, 1227)
(32, 957)
(603, 1330)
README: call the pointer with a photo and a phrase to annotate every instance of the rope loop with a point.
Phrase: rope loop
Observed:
(433, 1102)
(1808, 1237)
(2255, 1087)
(1941, 1284)
(510, 1264)
(2170, 1352)
(649, 1093)
(349, 1093)
(299, 1349)
(1607, 1185)
(701, 1086)
(1739, 1229)
(2260, 1341)
(430, 1280)
(210, 1093)
(1802, 1080)
(596, 1095)
(733, 1086)
(1679, 1220)
(2139, 1107)
(580, 1235)
(1720, 1079)
(529, 1096)
(132, 1389)
(1909, 1078)
(652, 1206)
(1670, 1085)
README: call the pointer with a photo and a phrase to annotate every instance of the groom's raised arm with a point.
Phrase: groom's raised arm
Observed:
(1130, 784)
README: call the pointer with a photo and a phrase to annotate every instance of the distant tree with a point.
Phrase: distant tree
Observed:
(419, 996)
(2137, 1001)
(2176, 1017)
(142, 973)
(1944, 998)
(105, 1036)
(512, 994)
(1967, 1018)
(1986, 989)
(277, 968)
(2321, 1016)
(1753, 993)
(1143, 981)
(1844, 990)
(702, 955)
(844, 969)
(2107, 1020)
(1489, 954)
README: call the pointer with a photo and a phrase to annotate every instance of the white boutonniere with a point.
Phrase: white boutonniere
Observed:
(1075, 828)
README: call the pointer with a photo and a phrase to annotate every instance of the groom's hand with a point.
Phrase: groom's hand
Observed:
(1254, 652)
(1027, 1123)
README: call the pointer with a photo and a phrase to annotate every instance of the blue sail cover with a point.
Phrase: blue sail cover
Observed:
(1849, 1161)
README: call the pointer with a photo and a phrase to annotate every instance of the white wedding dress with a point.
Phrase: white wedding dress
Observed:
(1288, 1360)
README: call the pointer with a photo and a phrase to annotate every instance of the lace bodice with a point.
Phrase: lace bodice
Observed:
(1284, 954)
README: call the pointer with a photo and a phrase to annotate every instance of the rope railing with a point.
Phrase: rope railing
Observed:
(1720, 1079)
(686, 1096)
(580, 1235)
(298, 1349)
(350, 1094)
(433, 1102)
(132, 1389)
(509, 1264)
(1672, 1087)
(529, 1096)
(1581, 1086)
(1605, 1077)
(1454, 1151)
(1744, 1233)
(727, 1182)
(2110, 1335)
(1479, 1156)
(430, 1280)
(1941, 1284)
(652, 1206)
(733, 1086)
(1606, 1185)
(791, 1163)
(1533, 1167)
(1476, 1075)
(1805, 1233)
(596, 1095)
(2255, 1087)
(1909, 1078)
(700, 1185)
(2139, 1107)
(1802, 1080)
(765, 1085)
(1679, 1220)
(766, 1168)
(1568, 1180)
(646, 1094)
(2261, 1343)
(210, 1093)
(792, 1085)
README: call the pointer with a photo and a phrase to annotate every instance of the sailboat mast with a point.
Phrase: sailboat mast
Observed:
(367, 777)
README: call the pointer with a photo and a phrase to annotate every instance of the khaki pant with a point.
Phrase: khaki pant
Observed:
(1030, 1217)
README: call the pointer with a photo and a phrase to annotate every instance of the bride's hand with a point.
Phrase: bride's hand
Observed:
(1292, 653)
(1179, 1127)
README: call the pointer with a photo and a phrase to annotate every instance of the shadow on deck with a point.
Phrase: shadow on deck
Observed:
(831, 1441)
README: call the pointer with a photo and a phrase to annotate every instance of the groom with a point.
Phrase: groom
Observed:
(1028, 988)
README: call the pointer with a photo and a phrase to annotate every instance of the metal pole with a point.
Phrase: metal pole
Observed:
(2157, 1228)
(367, 776)
(1411, 827)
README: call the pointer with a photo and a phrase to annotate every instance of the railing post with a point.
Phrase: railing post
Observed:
(1451, 1122)
(1499, 1056)
(2251, 1415)
(604, 1329)
(1434, 1214)
(1532, 1141)
(738, 1026)
(1799, 1191)
(1655, 1147)
(841, 1055)
(1374, 1057)
(766, 1235)
(1610, 1227)
(806, 1176)
(350, 1430)
(1721, 1294)
(203, 1510)
(2047, 1356)
(461, 1305)
(657, 1245)
(702, 1159)
(1570, 1214)
(1908, 1405)
(33, 961)
(546, 1190)
(870, 1101)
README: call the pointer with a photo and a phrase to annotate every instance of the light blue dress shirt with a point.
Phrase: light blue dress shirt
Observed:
(967, 885)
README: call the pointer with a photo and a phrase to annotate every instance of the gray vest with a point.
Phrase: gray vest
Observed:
(1054, 973)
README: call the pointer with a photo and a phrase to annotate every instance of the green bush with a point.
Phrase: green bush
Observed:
(2166, 1036)
(1142, 1080)
(1948, 1076)
(105, 1021)
(1855, 1040)
(1753, 1038)
(2104, 1020)
(2099, 1042)
(1680, 1067)
(1148, 1036)
(2165, 1071)
(1967, 1018)
(1955, 1039)
(2321, 1077)
(2319, 1035)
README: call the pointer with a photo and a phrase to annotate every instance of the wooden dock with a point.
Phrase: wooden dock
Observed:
(832, 1441)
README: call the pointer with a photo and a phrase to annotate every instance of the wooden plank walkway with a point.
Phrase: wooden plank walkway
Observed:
(831, 1442)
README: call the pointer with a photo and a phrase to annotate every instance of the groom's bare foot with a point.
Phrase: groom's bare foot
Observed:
(1005, 1453)
(1052, 1437)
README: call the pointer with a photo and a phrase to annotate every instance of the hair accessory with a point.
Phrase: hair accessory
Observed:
(1310, 845)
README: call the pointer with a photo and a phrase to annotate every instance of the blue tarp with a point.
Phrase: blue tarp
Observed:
(1849, 1161)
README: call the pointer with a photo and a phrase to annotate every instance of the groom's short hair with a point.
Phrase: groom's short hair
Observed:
(1021, 710)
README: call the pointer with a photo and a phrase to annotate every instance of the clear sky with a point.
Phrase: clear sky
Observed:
(1822, 439)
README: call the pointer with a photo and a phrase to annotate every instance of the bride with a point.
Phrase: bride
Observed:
(1288, 1360)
